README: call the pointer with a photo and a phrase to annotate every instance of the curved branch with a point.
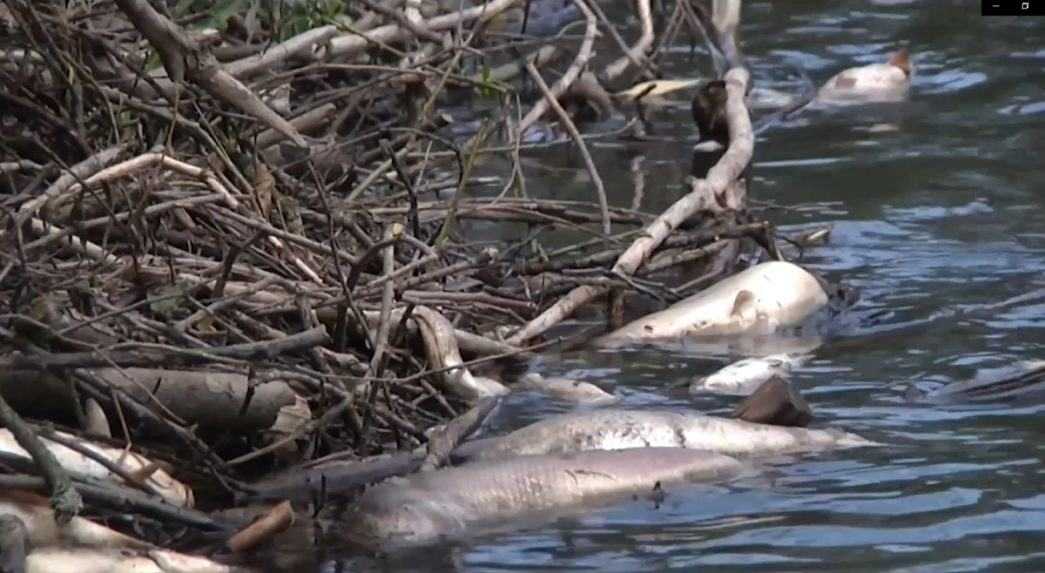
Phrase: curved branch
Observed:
(715, 193)
(572, 73)
(65, 499)
(596, 179)
(637, 53)
(183, 58)
(351, 44)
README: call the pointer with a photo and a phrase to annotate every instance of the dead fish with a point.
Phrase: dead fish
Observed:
(455, 502)
(567, 389)
(171, 490)
(886, 82)
(1019, 380)
(616, 429)
(761, 98)
(743, 377)
(14, 544)
(760, 300)
(87, 560)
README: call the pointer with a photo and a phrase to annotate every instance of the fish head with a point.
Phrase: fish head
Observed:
(392, 517)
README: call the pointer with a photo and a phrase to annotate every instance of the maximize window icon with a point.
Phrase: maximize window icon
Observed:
(1012, 7)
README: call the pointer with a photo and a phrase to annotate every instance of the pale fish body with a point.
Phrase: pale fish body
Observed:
(743, 377)
(615, 429)
(570, 390)
(760, 300)
(454, 502)
(91, 560)
(886, 82)
(760, 98)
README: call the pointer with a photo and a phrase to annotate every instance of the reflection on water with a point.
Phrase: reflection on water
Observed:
(935, 205)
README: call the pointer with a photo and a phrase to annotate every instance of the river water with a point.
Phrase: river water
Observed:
(935, 207)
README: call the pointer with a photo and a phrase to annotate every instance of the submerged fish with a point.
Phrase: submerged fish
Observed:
(760, 300)
(455, 502)
(1019, 380)
(567, 389)
(616, 429)
(743, 377)
(886, 82)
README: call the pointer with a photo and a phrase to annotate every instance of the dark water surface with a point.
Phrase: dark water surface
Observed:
(935, 207)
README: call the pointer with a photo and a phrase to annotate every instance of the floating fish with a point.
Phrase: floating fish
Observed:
(617, 429)
(567, 389)
(455, 502)
(760, 300)
(886, 82)
(743, 377)
(1019, 380)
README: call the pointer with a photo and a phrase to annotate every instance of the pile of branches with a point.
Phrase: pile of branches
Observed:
(241, 234)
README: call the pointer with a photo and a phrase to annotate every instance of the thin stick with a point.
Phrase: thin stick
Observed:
(65, 500)
(710, 193)
(596, 179)
(572, 73)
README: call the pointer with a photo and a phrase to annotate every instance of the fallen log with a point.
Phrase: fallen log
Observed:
(214, 400)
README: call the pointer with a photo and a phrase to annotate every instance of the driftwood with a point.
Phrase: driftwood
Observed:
(332, 478)
(707, 194)
(111, 497)
(775, 402)
(720, 190)
(249, 256)
(277, 520)
(446, 444)
(442, 441)
(215, 400)
(150, 354)
(441, 346)
(183, 59)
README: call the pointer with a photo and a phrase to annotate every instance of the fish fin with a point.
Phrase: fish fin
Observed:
(744, 299)
(801, 359)
(902, 60)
